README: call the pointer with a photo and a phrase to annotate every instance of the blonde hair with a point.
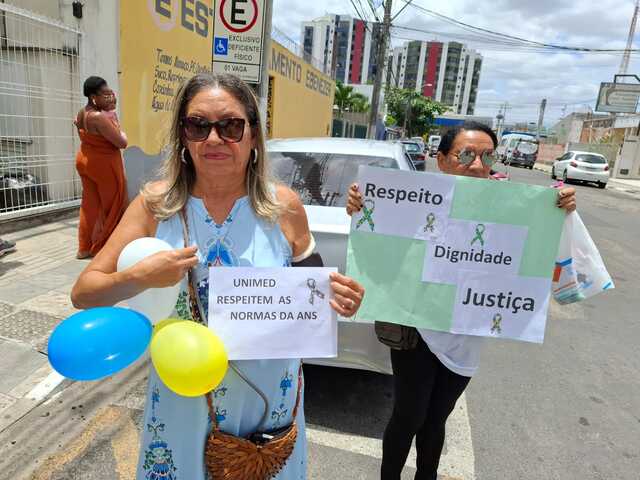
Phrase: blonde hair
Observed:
(179, 176)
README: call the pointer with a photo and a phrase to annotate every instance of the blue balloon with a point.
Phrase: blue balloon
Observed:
(98, 342)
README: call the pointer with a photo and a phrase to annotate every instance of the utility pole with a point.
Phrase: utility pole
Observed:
(624, 65)
(501, 118)
(543, 105)
(263, 87)
(380, 61)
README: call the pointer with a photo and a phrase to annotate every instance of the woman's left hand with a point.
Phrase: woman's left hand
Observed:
(567, 199)
(348, 294)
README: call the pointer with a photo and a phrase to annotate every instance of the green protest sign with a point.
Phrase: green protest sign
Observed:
(455, 254)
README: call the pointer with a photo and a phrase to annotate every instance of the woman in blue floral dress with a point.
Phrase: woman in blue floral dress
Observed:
(216, 173)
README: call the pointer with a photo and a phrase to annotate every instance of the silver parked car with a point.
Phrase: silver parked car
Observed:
(321, 171)
(583, 166)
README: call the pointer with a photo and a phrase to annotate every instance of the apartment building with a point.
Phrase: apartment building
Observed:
(346, 46)
(447, 72)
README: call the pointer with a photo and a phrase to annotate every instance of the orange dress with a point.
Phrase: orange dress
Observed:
(104, 190)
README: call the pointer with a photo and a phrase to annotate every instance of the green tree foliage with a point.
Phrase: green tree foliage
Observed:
(412, 110)
(359, 103)
(349, 101)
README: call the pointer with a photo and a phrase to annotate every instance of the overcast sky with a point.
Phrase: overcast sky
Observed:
(519, 77)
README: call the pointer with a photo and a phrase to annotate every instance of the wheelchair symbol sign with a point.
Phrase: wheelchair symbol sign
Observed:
(220, 45)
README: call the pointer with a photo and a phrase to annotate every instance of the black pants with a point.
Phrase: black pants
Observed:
(425, 392)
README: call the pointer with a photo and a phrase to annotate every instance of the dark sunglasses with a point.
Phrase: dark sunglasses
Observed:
(197, 129)
(466, 157)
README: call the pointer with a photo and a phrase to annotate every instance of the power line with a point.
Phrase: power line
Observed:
(508, 46)
(491, 34)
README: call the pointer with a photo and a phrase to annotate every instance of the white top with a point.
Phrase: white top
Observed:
(459, 353)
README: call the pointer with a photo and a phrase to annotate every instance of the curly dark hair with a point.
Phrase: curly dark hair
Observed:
(92, 86)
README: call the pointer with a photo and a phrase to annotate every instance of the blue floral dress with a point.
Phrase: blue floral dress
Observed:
(175, 427)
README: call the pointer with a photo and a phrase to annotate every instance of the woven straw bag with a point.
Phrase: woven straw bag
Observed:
(228, 457)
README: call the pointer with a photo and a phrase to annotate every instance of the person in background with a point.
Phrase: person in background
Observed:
(6, 246)
(99, 164)
(429, 379)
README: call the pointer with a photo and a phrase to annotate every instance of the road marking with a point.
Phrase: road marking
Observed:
(45, 387)
(457, 460)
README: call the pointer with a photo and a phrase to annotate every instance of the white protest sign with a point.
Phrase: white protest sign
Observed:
(267, 313)
(405, 204)
(507, 306)
(238, 38)
(474, 246)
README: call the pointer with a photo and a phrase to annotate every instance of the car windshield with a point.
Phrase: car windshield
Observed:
(586, 158)
(322, 178)
(412, 147)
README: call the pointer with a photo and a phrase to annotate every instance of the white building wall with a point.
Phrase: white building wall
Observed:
(395, 66)
(458, 95)
(368, 38)
(347, 67)
(443, 66)
(318, 49)
(421, 64)
(403, 65)
(472, 55)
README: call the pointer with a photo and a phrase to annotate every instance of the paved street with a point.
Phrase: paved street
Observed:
(567, 409)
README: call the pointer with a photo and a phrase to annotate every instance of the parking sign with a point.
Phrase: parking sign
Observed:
(238, 38)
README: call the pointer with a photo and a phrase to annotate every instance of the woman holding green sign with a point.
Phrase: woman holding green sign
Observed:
(431, 369)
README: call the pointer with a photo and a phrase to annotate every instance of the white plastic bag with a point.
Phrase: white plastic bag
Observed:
(580, 272)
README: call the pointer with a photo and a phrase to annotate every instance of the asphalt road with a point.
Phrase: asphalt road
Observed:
(570, 408)
(567, 409)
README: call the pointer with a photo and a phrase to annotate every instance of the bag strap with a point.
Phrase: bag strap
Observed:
(196, 313)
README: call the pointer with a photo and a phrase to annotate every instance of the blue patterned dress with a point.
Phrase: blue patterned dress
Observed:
(175, 427)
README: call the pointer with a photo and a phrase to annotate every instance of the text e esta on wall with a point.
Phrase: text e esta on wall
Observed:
(192, 15)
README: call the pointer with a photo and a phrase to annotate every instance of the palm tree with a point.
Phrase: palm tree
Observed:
(359, 103)
(343, 97)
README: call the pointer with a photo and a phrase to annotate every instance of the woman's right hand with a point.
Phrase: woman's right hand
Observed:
(164, 269)
(354, 203)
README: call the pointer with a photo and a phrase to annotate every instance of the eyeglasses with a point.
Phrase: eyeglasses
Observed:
(197, 129)
(466, 157)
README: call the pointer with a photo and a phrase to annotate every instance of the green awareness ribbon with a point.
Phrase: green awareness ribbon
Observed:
(480, 228)
(431, 218)
(497, 319)
(367, 214)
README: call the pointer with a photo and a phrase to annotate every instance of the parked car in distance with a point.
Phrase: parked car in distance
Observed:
(583, 166)
(433, 144)
(415, 153)
(518, 149)
(321, 171)
(419, 141)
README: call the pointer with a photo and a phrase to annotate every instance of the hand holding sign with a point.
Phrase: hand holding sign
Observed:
(347, 294)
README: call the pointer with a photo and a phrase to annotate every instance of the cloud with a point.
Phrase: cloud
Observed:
(569, 81)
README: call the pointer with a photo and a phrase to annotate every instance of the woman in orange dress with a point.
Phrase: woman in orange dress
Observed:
(99, 164)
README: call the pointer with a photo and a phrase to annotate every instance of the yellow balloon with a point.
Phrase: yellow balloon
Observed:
(163, 323)
(189, 358)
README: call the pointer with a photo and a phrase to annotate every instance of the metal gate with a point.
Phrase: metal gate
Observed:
(40, 92)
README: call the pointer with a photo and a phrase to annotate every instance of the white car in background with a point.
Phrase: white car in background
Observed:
(321, 171)
(583, 166)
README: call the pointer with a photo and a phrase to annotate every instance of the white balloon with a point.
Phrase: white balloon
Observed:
(155, 303)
